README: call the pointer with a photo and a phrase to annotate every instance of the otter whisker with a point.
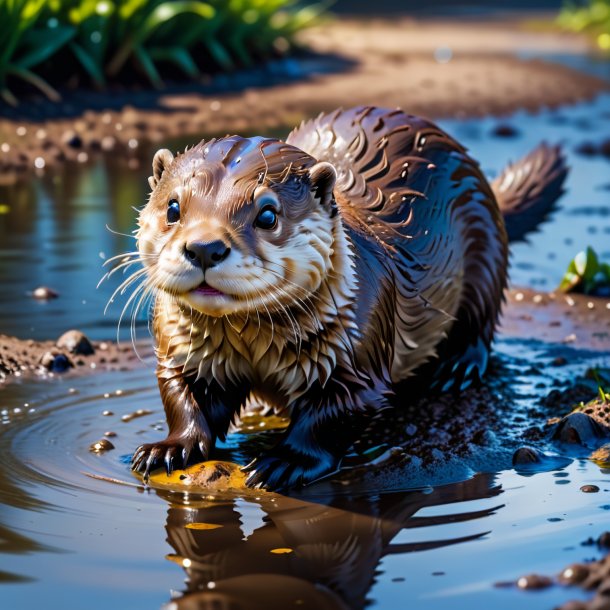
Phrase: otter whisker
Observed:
(131, 236)
(130, 300)
(122, 287)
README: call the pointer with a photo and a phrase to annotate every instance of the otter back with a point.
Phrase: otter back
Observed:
(420, 210)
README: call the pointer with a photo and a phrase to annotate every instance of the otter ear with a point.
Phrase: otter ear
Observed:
(322, 177)
(161, 162)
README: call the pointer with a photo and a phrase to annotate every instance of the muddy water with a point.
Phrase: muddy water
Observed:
(73, 538)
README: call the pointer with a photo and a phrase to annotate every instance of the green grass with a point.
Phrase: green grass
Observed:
(591, 17)
(45, 42)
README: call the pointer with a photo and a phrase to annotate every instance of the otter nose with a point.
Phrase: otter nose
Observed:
(206, 254)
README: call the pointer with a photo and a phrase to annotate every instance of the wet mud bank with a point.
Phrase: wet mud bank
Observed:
(72, 354)
(428, 68)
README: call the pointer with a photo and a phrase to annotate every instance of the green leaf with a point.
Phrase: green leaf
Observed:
(149, 67)
(35, 80)
(168, 10)
(89, 64)
(178, 56)
(45, 43)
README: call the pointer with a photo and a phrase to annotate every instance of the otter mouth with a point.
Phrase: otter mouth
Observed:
(208, 291)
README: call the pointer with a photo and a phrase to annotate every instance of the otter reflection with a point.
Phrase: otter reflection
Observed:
(326, 550)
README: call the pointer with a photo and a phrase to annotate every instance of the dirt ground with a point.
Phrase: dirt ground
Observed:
(432, 68)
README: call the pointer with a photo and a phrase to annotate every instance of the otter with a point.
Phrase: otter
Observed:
(334, 274)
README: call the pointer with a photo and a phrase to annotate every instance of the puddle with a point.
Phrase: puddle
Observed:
(69, 540)
(71, 534)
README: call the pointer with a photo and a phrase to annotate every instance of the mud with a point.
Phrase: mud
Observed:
(429, 68)
(553, 317)
(21, 359)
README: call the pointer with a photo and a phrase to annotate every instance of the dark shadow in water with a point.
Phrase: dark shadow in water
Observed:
(332, 547)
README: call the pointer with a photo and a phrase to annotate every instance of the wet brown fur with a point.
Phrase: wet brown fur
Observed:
(410, 284)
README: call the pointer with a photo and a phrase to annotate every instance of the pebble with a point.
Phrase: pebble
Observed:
(604, 540)
(135, 414)
(72, 139)
(534, 581)
(573, 574)
(101, 446)
(55, 362)
(527, 455)
(504, 130)
(44, 293)
(76, 342)
(589, 489)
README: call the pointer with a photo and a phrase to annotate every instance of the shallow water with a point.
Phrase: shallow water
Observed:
(72, 541)
(68, 540)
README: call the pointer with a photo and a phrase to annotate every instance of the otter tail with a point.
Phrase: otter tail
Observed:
(528, 190)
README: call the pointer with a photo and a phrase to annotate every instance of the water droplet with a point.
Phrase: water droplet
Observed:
(443, 55)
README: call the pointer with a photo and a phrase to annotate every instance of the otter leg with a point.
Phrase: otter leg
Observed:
(324, 425)
(191, 409)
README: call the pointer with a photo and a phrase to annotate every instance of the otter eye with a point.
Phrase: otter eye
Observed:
(266, 219)
(173, 212)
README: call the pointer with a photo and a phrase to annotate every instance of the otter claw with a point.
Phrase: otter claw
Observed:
(169, 461)
(167, 454)
(277, 474)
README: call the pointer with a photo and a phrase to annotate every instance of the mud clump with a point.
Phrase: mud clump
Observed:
(73, 352)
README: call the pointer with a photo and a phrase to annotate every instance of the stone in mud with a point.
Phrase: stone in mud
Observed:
(587, 149)
(530, 460)
(505, 130)
(574, 574)
(527, 455)
(75, 342)
(56, 362)
(101, 446)
(604, 540)
(580, 428)
(72, 139)
(534, 581)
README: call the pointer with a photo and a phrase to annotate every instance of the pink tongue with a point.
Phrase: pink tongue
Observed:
(205, 289)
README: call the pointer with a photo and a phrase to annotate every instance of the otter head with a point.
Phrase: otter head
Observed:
(239, 224)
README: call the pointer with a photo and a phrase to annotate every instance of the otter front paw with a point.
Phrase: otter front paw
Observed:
(280, 470)
(172, 453)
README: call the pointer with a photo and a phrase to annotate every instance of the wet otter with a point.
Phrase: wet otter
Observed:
(362, 259)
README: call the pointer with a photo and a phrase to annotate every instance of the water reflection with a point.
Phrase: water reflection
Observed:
(313, 553)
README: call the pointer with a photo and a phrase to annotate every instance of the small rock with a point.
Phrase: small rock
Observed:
(55, 362)
(527, 455)
(505, 130)
(44, 293)
(573, 574)
(588, 149)
(534, 581)
(589, 489)
(559, 361)
(101, 446)
(72, 139)
(604, 540)
(139, 413)
(578, 428)
(76, 342)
